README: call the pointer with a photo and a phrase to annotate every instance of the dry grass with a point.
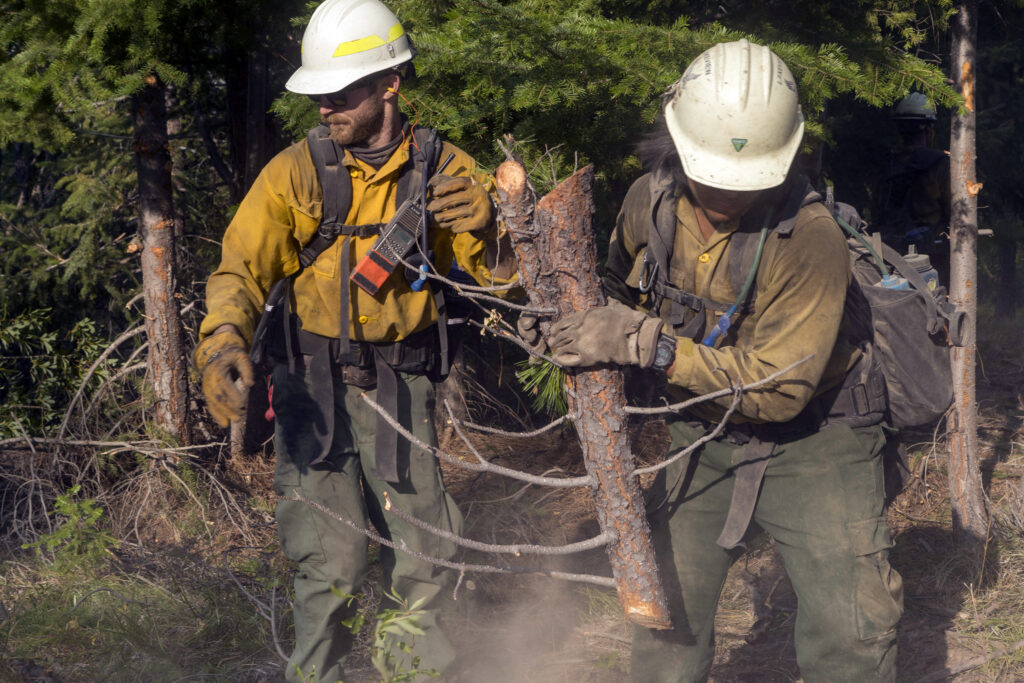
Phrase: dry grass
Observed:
(166, 608)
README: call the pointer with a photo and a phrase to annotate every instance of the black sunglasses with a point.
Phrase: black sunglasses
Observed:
(340, 98)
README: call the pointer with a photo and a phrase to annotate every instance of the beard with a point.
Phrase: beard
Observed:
(357, 126)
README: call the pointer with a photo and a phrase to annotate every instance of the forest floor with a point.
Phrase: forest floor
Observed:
(196, 587)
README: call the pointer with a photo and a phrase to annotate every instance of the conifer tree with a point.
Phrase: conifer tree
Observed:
(61, 59)
(75, 74)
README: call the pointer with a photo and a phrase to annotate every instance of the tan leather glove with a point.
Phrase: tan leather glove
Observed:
(461, 205)
(614, 333)
(222, 359)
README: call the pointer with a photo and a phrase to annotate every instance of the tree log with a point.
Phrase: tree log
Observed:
(966, 489)
(168, 369)
(554, 243)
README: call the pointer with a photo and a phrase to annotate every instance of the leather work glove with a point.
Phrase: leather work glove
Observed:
(614, 333)
(222, 359)
(461, 205)
(527, 328)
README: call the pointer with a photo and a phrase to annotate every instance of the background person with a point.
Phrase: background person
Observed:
(910, 205)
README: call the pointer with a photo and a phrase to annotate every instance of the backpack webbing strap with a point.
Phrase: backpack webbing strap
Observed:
(385, 440)
(657, 260)
(787, 202)
(336, 187)
(423, 156)
(748, 464)
(428, 153)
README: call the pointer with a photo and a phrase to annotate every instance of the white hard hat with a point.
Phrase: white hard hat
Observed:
(734, 117)
(347, 40)
(914, 107)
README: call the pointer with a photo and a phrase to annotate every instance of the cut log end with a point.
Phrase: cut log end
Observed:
(648, 615)
(511, 178)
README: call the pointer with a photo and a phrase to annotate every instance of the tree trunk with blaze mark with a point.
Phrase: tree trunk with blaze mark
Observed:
(554, 243)
(967, 496)
(167, 366)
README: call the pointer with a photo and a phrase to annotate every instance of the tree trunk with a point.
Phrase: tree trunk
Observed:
(967, 496)
(554, 242)
(257, 127)
(253, 430)
(167, 365)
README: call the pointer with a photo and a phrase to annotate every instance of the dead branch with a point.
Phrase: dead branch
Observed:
(267, 611)
(515, 340)
(571, 482)
(945, 674)
(127, 369)
(460, 287)
(78, 602)
(713, 434)
(134, 332)
(557, 257)
(516, 435)
(457, 426)
(677, 407)
(461, 566)
(506, 549)
(146, 447)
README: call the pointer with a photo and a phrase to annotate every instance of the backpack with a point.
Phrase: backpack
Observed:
(913, 327)
(909, 331)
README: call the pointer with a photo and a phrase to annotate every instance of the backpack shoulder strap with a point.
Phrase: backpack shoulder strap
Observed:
(654, 277)
(334, 181)
(336, 188)
(661, 237)
(787, 204)
(423, 159)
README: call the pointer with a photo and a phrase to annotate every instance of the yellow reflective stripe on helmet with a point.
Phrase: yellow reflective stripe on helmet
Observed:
(352, 47)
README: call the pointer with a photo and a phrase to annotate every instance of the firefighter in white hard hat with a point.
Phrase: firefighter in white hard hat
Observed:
(725, 268)
(340, 325)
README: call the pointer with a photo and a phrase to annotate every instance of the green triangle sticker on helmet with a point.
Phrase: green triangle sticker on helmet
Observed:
(739, 143)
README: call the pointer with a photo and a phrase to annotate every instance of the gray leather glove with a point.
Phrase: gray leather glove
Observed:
(614, 333)
(527, 328)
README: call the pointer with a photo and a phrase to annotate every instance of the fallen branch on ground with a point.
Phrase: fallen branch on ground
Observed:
(461, 566)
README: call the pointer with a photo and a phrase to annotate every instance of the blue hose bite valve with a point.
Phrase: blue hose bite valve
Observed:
(417, 284)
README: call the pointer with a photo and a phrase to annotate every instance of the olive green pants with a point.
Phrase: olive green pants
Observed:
(331, 554)
(822, 501)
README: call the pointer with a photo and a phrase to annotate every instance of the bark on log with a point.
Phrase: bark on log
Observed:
(554, 243)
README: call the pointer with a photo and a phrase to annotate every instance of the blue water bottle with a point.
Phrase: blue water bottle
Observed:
(922, 264)
(894, 281)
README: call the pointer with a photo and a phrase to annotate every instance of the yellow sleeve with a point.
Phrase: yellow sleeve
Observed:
(260, 244)
(798, 313)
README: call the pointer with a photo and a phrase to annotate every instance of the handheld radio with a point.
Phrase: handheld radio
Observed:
(396, 240)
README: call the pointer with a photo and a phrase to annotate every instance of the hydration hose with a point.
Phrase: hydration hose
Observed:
(725, 320)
